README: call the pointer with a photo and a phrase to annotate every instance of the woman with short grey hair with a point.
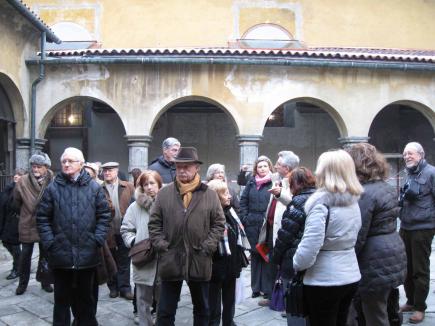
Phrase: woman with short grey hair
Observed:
(216, 171)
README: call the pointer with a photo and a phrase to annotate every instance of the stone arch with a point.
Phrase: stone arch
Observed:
(398, 123)
(332, 112)
(307, 126)
(16, 103)
(100, 133)
(203, 123)
(173, 102)
(50, 113)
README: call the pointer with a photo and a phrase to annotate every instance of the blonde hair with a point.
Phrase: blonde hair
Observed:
(217, 185)
(336, 173)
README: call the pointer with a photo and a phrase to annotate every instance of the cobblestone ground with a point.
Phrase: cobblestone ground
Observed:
(35, 306)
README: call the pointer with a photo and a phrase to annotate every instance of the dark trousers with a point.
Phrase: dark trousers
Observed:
(418, 249)
(170, 295)
(74, 291)
(43, 274)
(329, 305)
(15, 251)
(120, 282)
(222, 293)
(262, 275)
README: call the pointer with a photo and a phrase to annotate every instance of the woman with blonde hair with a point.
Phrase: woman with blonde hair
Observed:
(134, 228)
(228, 261)
(326, 252)
(253, 205)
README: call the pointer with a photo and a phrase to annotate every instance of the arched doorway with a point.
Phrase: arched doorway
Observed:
(7, 137)
(90, 125)
(204, 125)
(304, 127)
(396, 125)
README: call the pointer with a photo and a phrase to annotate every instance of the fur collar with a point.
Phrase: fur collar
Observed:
(330, 199)
(142, 199)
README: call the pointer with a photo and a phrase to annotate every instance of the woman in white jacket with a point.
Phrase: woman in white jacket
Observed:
(134, 228)
(326, 252)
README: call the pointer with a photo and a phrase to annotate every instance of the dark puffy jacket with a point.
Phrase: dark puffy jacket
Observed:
(8, 216)
(290, 233)
(164, 168)
(379, 248)
(228, 267)
(253, 206)
(73, 220)
(419, 213)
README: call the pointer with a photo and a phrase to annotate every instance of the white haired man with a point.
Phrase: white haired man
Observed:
(27, 194)
(287, 161)
(73, 220)
(417, 227)
(164, 164)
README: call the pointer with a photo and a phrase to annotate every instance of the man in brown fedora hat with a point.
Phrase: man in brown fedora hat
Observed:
(185, 226)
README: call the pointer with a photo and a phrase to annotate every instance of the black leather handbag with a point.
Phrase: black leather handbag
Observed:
(294, 297)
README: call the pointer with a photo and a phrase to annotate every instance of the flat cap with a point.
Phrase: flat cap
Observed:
(110, 165)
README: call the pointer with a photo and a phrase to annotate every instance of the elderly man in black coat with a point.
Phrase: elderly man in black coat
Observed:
(73, 220)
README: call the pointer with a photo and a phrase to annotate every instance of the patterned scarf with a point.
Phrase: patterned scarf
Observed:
(187, 188)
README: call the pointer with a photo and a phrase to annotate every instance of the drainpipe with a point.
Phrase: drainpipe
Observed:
(33, 100)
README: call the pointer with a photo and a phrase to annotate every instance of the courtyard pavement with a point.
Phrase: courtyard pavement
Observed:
(35, 306)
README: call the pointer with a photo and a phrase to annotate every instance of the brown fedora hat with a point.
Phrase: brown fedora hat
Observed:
(187, 155)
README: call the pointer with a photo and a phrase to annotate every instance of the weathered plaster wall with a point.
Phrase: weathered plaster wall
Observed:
(170, 23)
(249, 94)
(19, 41)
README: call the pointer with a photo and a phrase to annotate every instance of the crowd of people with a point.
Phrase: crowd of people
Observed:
(336, 226)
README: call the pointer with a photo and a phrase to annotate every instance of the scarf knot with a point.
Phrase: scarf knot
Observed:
(186, 189)
(259, 181)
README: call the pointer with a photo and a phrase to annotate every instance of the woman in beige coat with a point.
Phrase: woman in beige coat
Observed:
(134, 228)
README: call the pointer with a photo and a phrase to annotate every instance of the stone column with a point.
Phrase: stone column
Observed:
(349, 141)
(23, 151)
(248, 148)
(138, 151)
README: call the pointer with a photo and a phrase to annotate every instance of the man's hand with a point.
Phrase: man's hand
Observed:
(276, 191)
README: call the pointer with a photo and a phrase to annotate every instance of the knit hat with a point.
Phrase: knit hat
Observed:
(40, 159)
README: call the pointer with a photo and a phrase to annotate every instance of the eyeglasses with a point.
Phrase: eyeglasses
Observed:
(69, 161)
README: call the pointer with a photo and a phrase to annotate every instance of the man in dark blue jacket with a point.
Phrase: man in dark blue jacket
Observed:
(164, 164)
(73, 220)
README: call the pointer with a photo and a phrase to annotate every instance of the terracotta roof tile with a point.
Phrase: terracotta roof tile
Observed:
(401, 55)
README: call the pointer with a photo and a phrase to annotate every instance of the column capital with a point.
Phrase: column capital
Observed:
(138, 140)
(24, 143)
(349, 141)
(249, 138)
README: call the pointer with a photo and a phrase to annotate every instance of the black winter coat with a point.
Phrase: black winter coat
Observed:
(73, 220)
(164, 168)
(253, 206)
(228, 267)
(379, 248)
(290, 233)
(8, 216)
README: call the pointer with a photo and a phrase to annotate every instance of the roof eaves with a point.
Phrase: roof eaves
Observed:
(24, 10)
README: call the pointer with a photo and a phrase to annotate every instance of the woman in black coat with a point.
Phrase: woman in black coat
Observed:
(9, 224)
(253, 205)
(302, 184)
(379, 248)
(228, 261)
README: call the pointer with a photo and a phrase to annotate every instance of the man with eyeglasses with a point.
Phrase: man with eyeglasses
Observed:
(417, 228)
(120, 194)
(73, 220)
(27, 194)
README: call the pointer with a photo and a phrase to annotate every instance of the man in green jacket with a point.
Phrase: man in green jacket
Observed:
(185, 226)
